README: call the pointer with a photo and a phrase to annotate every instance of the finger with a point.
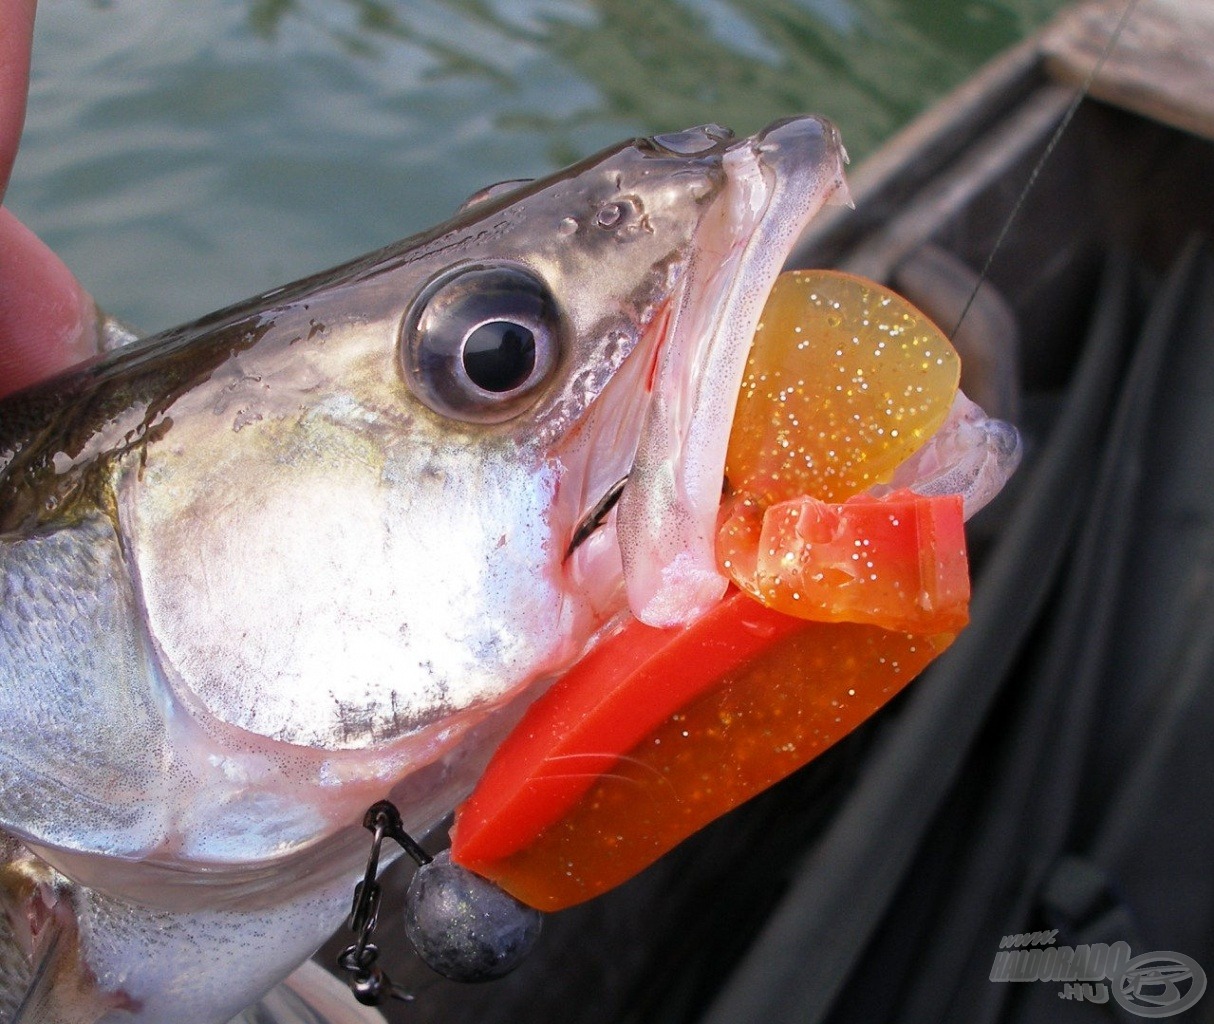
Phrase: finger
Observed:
(16, 38)
(47, 320)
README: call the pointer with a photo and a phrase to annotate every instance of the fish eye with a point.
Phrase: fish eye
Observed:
(480, 341)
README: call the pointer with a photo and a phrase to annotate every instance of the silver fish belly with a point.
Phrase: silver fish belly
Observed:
(323, 547)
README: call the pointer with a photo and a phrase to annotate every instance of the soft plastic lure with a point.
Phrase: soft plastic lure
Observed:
(852, 464)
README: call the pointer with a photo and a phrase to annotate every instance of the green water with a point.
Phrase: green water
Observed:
(182, 156)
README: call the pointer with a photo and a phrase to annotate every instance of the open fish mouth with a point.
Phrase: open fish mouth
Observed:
(776, 181)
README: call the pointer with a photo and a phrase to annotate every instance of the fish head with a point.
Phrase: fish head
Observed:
(362, 520)
(378, 517)
(324, 547)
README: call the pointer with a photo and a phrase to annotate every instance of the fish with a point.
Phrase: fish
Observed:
(325, 546)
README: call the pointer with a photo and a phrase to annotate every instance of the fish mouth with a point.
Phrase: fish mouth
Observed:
(666, 517)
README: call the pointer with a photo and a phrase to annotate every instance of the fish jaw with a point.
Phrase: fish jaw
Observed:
(777, 181)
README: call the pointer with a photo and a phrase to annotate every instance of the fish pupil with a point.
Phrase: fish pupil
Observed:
(499, 356)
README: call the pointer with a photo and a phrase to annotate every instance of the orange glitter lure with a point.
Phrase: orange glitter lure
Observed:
(845, 598)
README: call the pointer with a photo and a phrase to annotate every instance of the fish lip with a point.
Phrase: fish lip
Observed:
(666, 518)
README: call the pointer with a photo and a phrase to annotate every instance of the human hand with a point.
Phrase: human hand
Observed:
(47, 320)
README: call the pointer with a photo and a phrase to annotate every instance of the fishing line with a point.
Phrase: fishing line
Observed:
(1080, 96)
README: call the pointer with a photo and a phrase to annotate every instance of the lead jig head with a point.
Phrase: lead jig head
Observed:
(461, 925)
(465, 927)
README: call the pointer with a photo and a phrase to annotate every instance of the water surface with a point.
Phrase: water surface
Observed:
(184, 156)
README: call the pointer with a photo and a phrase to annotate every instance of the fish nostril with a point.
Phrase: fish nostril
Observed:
(609, 215)
(624, 216)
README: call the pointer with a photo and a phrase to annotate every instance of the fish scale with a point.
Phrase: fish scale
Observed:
(73, 656)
